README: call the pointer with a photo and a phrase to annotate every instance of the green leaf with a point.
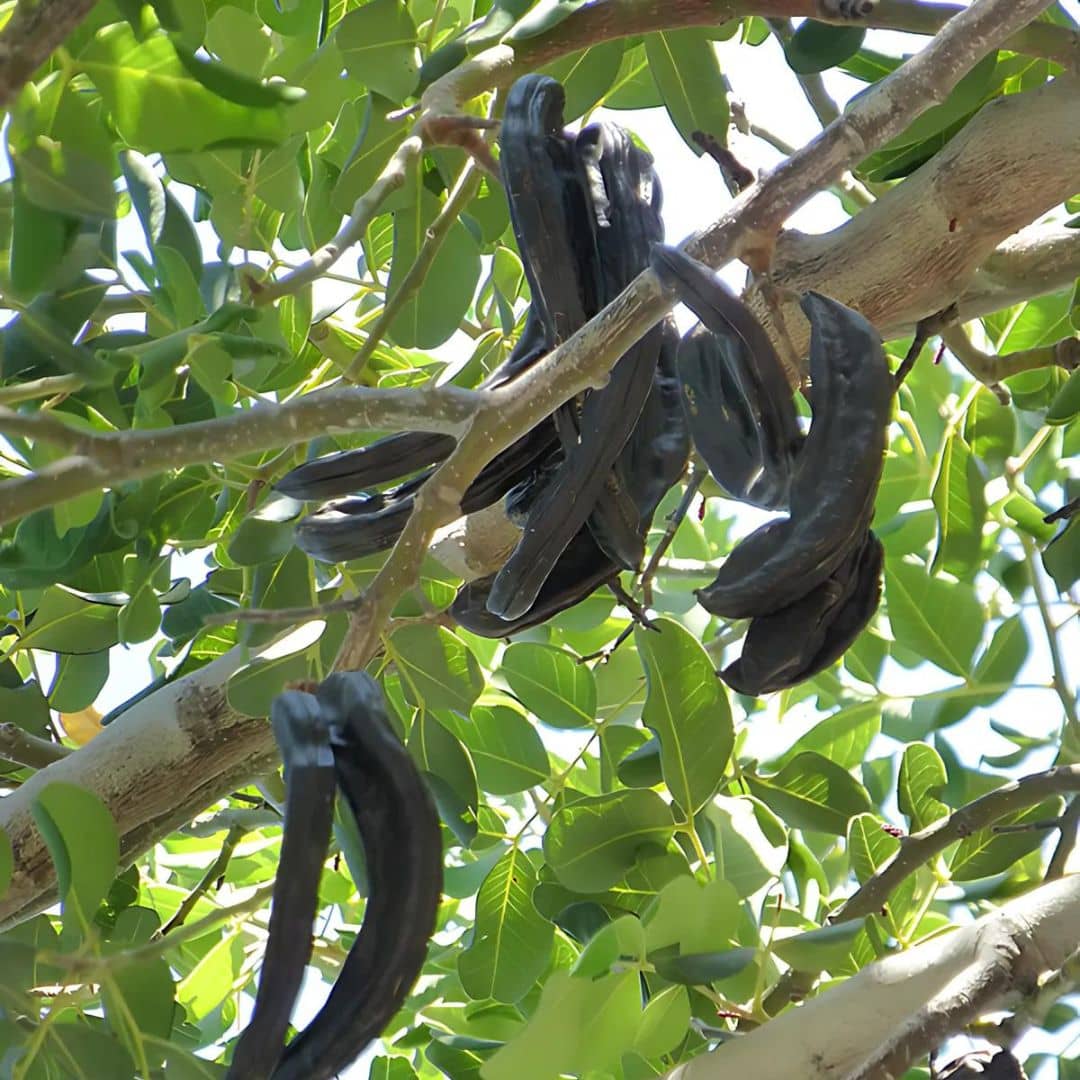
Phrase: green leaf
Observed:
(1066, 405)
(61, 178)
(699, 969)
(506, 749)
(664, 1022)
(689, 711)
(79, 679)
(253, 686)
(158, 107)
(82, 839)
(276, 587)
(940, 621)
(378, 139)
(450, 774)
(579, 1025)
(811, 792)
(684, 65)
(438, 670)
(844, 737)
(433, 313)
(990, 429)
(818, 950)
(990, 851)
(1062, 556)
(922, 779)
(634, 86)
(96, 1052)
(749, 843)
(591, 843)
(378, 45)
(511, 941)
(961, 509)
(66, 623)
(586, 75)
(551, 684)
(265, 535)
(870, 845)
(818, 46)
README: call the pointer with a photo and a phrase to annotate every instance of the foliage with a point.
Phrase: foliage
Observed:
(636, 860)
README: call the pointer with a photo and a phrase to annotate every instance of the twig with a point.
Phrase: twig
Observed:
(920, 847)
(674, 520)
(49, 386)
(925, 329)
(32, 751)
(1069, 824)
(813, 86)
(990, 370)
(465, 188)
(214, 872)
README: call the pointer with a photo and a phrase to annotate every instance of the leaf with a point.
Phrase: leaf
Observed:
(551, 684)
(749, 843)
(591, 843)
(684, 65)
(79, 679)
(961, 509)
(818, 950)
(433, 313)
(664, 1022)
(990, 429)
(811, 792)
(1066, 404)
(586, 75)
(511, 941)
(506, 749)
(66, 623)
(940, 621)
(817, 46)
(85, 847)
(870, 845)
(689, 711)
(450, 775)
(378, 45)
(579, 1025)
(158, 107)
(1062, 556)
(438, 670)
(989, 851)
(253, 686)
(922, 778)
(844, 737)
(379, 138)
(699, 969)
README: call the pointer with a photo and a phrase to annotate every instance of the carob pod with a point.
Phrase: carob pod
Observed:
(737, 398)
(651, 463)
(836, 478)
(403, 852)
(798, 641)
(304, 742)
(623, 190)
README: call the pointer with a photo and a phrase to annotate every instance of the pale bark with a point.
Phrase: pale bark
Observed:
(879, 1022)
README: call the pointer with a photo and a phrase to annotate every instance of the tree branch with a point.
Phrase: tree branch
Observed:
(920, 847)
(23, 748)
(990, 369)
(880, 1021)
(105, 460)
(30, 36)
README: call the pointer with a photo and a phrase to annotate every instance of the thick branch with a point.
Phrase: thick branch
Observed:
(922, 244)
(918, 848)
(879, 1022)
(31, 35)
(186, 732)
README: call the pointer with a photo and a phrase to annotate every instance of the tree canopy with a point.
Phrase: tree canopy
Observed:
(242, 235)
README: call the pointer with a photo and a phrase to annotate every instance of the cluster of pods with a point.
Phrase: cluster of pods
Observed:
(584, 483)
